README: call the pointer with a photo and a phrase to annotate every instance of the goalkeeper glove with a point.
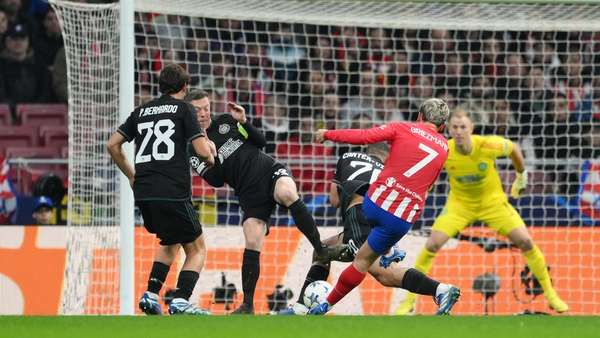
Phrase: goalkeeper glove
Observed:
(519, 185)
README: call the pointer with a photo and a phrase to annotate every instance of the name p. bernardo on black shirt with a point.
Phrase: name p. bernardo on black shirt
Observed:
(162, 129)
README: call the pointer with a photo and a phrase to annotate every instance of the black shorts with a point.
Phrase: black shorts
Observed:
(258, 201)
(356, 229)
(172, 221)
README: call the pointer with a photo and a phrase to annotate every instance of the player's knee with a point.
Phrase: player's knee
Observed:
(525, 244)
(433, 246)
(287, 195)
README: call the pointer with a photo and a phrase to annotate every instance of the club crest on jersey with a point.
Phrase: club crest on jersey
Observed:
(390, 182)
(194, 162)
(482, 166)
(224, 129)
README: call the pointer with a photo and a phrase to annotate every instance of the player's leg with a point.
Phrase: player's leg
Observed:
(317, 271)
(255, 231)
(415, 281)
(505, 220)
(387, 231)
(285, 193)
(181, 225)
(149, 302)
(451, 221)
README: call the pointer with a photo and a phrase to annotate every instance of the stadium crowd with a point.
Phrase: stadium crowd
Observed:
(538, 88)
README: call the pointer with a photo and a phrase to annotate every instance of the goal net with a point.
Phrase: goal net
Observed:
(524, 71)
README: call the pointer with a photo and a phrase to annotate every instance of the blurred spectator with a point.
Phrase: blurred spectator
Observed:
(448, 97)
(596, 98)
(573, 79)
(171, 30)
(480, 99)
(492, 57)
(398, 75)
(23, 78)
(143, 95)
(49, 38)
(364, 104)
(500, 121)
(17, 14)
(221, 73)
(379, 54)
(322, 58)
(274, 123)
(386, 107)
(246, 93)
(313, 178)
(511, 79)
(545, 57)
(455, 77)
(60, 81)
(197, 56)
(227, 38)
(3, 27)
(311, 94)
(559, 138)
(349, 44)
(42, 210)
(148, 62)
(284, 56)
(331, 111)
(590, 143)
(361, 121)
(535, 99)
(421, 90)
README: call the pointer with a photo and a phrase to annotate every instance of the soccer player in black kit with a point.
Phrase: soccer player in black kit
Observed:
(162, 130)
(354, 173)
(260, 183)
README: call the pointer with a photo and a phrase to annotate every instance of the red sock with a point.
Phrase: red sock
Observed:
(349, 279)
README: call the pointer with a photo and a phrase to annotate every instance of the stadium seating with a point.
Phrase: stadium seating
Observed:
(54, 136)
(17, 136)
(42, 114)
(5, 115)
(23, 175)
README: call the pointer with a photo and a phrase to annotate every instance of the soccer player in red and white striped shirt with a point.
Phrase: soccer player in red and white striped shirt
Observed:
(395, 200)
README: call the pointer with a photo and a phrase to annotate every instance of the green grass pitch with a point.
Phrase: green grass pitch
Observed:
(299, 326)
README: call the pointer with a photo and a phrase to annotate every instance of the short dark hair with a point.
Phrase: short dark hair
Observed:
(381, 148)
(195, 94)
(172, 79)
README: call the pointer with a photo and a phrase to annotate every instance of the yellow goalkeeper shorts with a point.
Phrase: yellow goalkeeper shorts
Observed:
(500, 216)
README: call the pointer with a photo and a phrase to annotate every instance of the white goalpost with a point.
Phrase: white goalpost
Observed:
(301, 65)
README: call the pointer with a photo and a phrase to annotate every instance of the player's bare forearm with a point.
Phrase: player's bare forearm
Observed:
(517, 158)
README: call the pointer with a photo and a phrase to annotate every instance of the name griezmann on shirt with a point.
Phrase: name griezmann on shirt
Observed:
(429, 137)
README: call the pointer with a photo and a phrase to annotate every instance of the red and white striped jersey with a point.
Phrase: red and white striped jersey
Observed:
(417, 156)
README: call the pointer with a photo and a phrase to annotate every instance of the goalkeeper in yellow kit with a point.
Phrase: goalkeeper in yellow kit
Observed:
(476, 194)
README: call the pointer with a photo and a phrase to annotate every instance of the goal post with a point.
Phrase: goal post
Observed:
(300, 65)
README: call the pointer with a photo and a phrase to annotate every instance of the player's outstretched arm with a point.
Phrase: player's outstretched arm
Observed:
(204, 151)
(520, 184)
(250, 132)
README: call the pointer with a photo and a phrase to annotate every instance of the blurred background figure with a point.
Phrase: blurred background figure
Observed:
(42, 210)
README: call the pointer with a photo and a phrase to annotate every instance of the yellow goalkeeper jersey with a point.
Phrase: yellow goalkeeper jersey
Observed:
(474, 179)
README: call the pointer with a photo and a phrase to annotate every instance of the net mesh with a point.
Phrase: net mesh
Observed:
(525, 72)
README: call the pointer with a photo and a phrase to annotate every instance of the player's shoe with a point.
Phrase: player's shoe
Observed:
(557, 304)
(296, 309)
(406, 307)
(321, 309)
(330, 253)
(396, 256)
(150, 306)
(244, 309)
(447, 300)
(185, 308)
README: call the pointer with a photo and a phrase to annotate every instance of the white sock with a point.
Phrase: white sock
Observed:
(152, 295)
(179, 300)
(441, 289)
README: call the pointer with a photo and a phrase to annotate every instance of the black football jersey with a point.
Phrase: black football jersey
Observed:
(162, 130)
(357, 166)
(354, 173)
(239, 147)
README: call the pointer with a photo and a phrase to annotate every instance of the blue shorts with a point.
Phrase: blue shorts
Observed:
(387, 228)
